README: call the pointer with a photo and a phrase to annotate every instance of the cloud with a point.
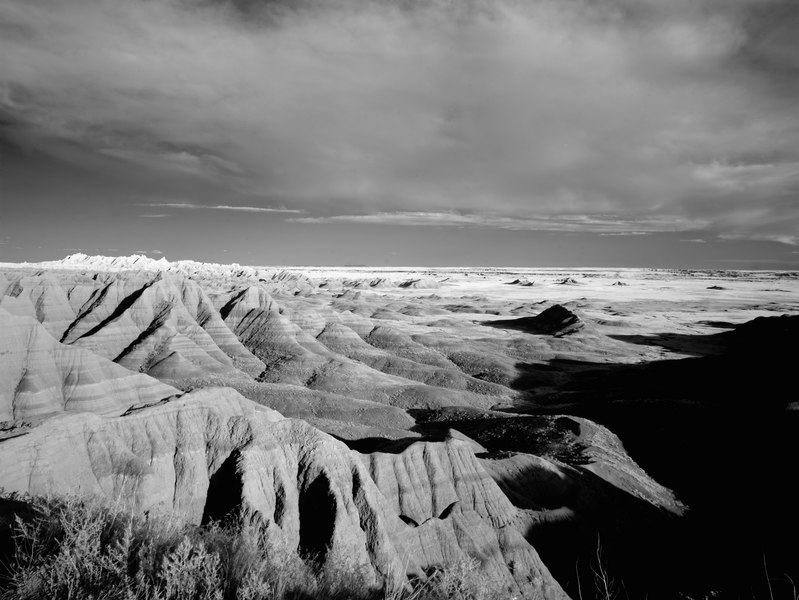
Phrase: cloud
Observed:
(790, 239)
(623, 233)
(749, 262)
(257, 209)
(695, 241)
(669, 113)
(190, 206)
(610, 224)
(88, 249)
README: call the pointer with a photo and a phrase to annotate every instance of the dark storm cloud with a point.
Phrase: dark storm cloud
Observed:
(676, 115)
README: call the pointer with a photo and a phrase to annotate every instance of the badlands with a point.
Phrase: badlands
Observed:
(545, 424)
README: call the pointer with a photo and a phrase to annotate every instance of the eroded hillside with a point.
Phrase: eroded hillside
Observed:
(399, 420)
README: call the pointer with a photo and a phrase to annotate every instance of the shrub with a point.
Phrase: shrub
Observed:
(70, 548)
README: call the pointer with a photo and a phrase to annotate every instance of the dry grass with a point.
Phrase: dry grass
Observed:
(70, 548)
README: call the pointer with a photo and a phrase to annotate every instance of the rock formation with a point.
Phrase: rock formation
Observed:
(212, 452)
(39, 377)
(156, 383)
(556, 321)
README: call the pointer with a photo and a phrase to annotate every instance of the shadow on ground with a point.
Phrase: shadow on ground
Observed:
(717, 428)
(720, 431)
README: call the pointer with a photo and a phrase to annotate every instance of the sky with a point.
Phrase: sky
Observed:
(402, 132)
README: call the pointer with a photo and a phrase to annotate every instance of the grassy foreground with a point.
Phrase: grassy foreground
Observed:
(65, 548)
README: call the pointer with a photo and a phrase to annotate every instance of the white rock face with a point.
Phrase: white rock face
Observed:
(41, 297)
(212, 452)
(141, 324)
(161, 324)
(454, 510)
(39, 377)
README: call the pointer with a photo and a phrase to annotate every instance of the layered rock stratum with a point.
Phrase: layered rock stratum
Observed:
(39, 377)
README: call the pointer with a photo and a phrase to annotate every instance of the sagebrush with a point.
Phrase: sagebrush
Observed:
(69, 548)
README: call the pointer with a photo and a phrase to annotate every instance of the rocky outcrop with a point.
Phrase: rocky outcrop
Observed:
(345, 341)
(557, 321)
(165, 324)
(212, 452)
(152, 323)
(302, 348)
(453, 509)
(141, 325)
(40, 377)
(567, 281)
(42, 298)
